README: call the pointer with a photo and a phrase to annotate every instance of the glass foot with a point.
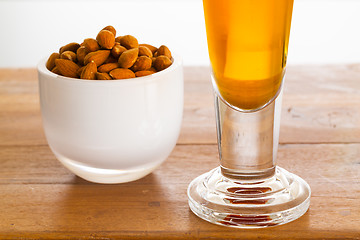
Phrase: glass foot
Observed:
(277, 200)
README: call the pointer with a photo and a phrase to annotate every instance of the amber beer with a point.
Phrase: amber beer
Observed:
(248, 45)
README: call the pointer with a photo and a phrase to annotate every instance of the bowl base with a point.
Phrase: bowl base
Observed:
(108, 176)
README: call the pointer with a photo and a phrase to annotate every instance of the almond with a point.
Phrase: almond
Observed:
(128, 58)
(81, 53)
(69, 55)
(162, 62)
(144, 73)
(99, 57)
(121, 73)
(151, 47)
(56, 70)
(66, 67)
(117, 50)
(91, 44)
(111, 59)
(129, 42)
(103, 76)
(108, 57)
(117, 39)
(79, 71)
(106, 39)
(152, 69)
(89, 71)
(153, 60)
(163, 51)
(142, 63)
(69, 47)
(105, 68)
(50, 64)
(111, 29)
(145, 51)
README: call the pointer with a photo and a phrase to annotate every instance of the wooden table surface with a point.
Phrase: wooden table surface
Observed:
(320, 141)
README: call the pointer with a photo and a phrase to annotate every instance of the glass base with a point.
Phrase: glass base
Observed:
(277, 200)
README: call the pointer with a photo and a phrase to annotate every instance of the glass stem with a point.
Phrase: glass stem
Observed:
(248, 141)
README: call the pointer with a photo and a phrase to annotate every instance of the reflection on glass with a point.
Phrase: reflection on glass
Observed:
(248, 46)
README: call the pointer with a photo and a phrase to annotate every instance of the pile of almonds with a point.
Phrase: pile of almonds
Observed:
(108, 58)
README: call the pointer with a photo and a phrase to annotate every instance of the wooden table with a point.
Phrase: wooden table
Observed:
(320, 141)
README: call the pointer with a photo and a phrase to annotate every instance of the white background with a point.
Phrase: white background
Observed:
(323, 31)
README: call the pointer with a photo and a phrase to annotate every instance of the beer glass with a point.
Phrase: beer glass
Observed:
(248, 46)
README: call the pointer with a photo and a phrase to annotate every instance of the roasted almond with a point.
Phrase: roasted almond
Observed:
(128, 58)
(117, 50)
(81, 53)
(152, 69)
(89, 71)
(151, 47)
(56, 70)
(91, 44)
(122, 73)
(50, 64)
(106, 39)
(99, 57)
(163, 51)
(117, 39)
(66, 67)
(162, 62)
(144, 73)
(145, 51)
(105, 68)
(129, 42)
(79, 71)
(69, 55)
(69, 47)
(153, 60)
(108, 57)
(111, 59)
(142, 63)
(111, 29)
(103, 76)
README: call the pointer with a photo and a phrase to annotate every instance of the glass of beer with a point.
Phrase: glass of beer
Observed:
(248, 47)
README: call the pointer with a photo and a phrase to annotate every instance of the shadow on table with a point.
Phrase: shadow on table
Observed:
(91, 207)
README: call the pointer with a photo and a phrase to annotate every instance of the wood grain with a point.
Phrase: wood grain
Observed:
(43, 195)
(320, 136)
(320, 104)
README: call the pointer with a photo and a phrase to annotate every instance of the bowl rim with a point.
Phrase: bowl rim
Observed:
(177, 62)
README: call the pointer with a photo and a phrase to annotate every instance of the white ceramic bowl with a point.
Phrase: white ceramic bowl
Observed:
(112, 131)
